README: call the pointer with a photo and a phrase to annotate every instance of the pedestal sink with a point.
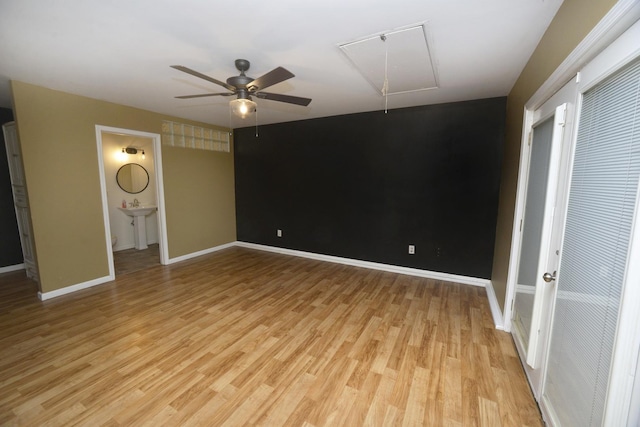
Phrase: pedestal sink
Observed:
(139, 223)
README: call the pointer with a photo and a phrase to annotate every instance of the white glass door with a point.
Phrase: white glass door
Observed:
(540, 228)
(591, 354)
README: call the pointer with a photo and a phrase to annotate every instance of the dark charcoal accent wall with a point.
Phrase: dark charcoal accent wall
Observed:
(365, 186)
(10, 249)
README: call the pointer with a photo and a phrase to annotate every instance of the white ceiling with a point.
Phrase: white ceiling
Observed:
(120, 51)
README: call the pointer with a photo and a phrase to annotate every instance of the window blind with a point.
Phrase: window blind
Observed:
(600, 216)
(533, 222)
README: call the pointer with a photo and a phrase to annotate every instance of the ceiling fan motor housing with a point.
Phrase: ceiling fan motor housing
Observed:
(239, 81)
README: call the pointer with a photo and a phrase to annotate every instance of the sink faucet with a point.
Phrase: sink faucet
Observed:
(136, 203)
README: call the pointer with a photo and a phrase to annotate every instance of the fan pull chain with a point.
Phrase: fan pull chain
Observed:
(385, 85)
(256, 122)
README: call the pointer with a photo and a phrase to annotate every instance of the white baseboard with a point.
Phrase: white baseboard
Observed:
(118, 248)
(200, 253)
(466, 280)
(498, 319)
(73, 288)
(9, 268)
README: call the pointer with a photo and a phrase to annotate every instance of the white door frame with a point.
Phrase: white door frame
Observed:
(157, 158)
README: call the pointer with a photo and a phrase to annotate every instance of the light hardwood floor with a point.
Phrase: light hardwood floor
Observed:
(131, 260)
(243, 337)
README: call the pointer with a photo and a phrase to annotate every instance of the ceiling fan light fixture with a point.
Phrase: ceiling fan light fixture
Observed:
(242, 107)
(245, 87)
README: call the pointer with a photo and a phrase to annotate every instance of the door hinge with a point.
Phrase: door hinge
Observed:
(520, 225)
(530, 137)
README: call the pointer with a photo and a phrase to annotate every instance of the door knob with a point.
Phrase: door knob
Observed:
(547, 277)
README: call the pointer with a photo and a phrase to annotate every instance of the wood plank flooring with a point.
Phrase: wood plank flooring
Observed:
(242, 337)
(130, 260)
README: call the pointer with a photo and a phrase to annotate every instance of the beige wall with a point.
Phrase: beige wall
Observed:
(203, 183)
(574, 20)
(57, 133)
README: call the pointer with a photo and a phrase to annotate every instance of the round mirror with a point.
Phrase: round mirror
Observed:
(132, 178)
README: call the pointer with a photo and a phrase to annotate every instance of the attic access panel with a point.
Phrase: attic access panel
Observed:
(402, 55)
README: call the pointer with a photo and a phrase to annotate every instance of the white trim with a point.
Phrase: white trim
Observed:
(105, 203)
(73, 288)
(157, 156)
(521, 349)
(496, 313)
(200, 253)
(77, 287)
(621, 16)
(118, 248)
(517, 214)
(548, 415)
(634, 411)
(617, 55)
(163, 241)
(9, 268)
(465, 280)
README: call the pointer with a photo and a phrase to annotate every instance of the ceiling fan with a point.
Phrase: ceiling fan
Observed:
(245, 87)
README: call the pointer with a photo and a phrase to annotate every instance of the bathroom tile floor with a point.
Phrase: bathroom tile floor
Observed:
(131, 260)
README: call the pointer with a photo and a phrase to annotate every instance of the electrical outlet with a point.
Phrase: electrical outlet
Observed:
(279, 233)
(412, 249)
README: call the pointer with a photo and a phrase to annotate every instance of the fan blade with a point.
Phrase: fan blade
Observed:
(274, 76)
(202, 76)
(203, 95)
(283, 98)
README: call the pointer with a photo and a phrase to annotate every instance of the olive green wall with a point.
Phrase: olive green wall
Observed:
(574, 20)
(57, 133)
(203, 182)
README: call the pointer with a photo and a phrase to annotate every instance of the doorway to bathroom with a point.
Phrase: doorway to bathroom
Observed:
(132, 199)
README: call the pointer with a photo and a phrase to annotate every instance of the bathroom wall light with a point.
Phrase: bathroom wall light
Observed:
(143, 156)
(131, 150)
